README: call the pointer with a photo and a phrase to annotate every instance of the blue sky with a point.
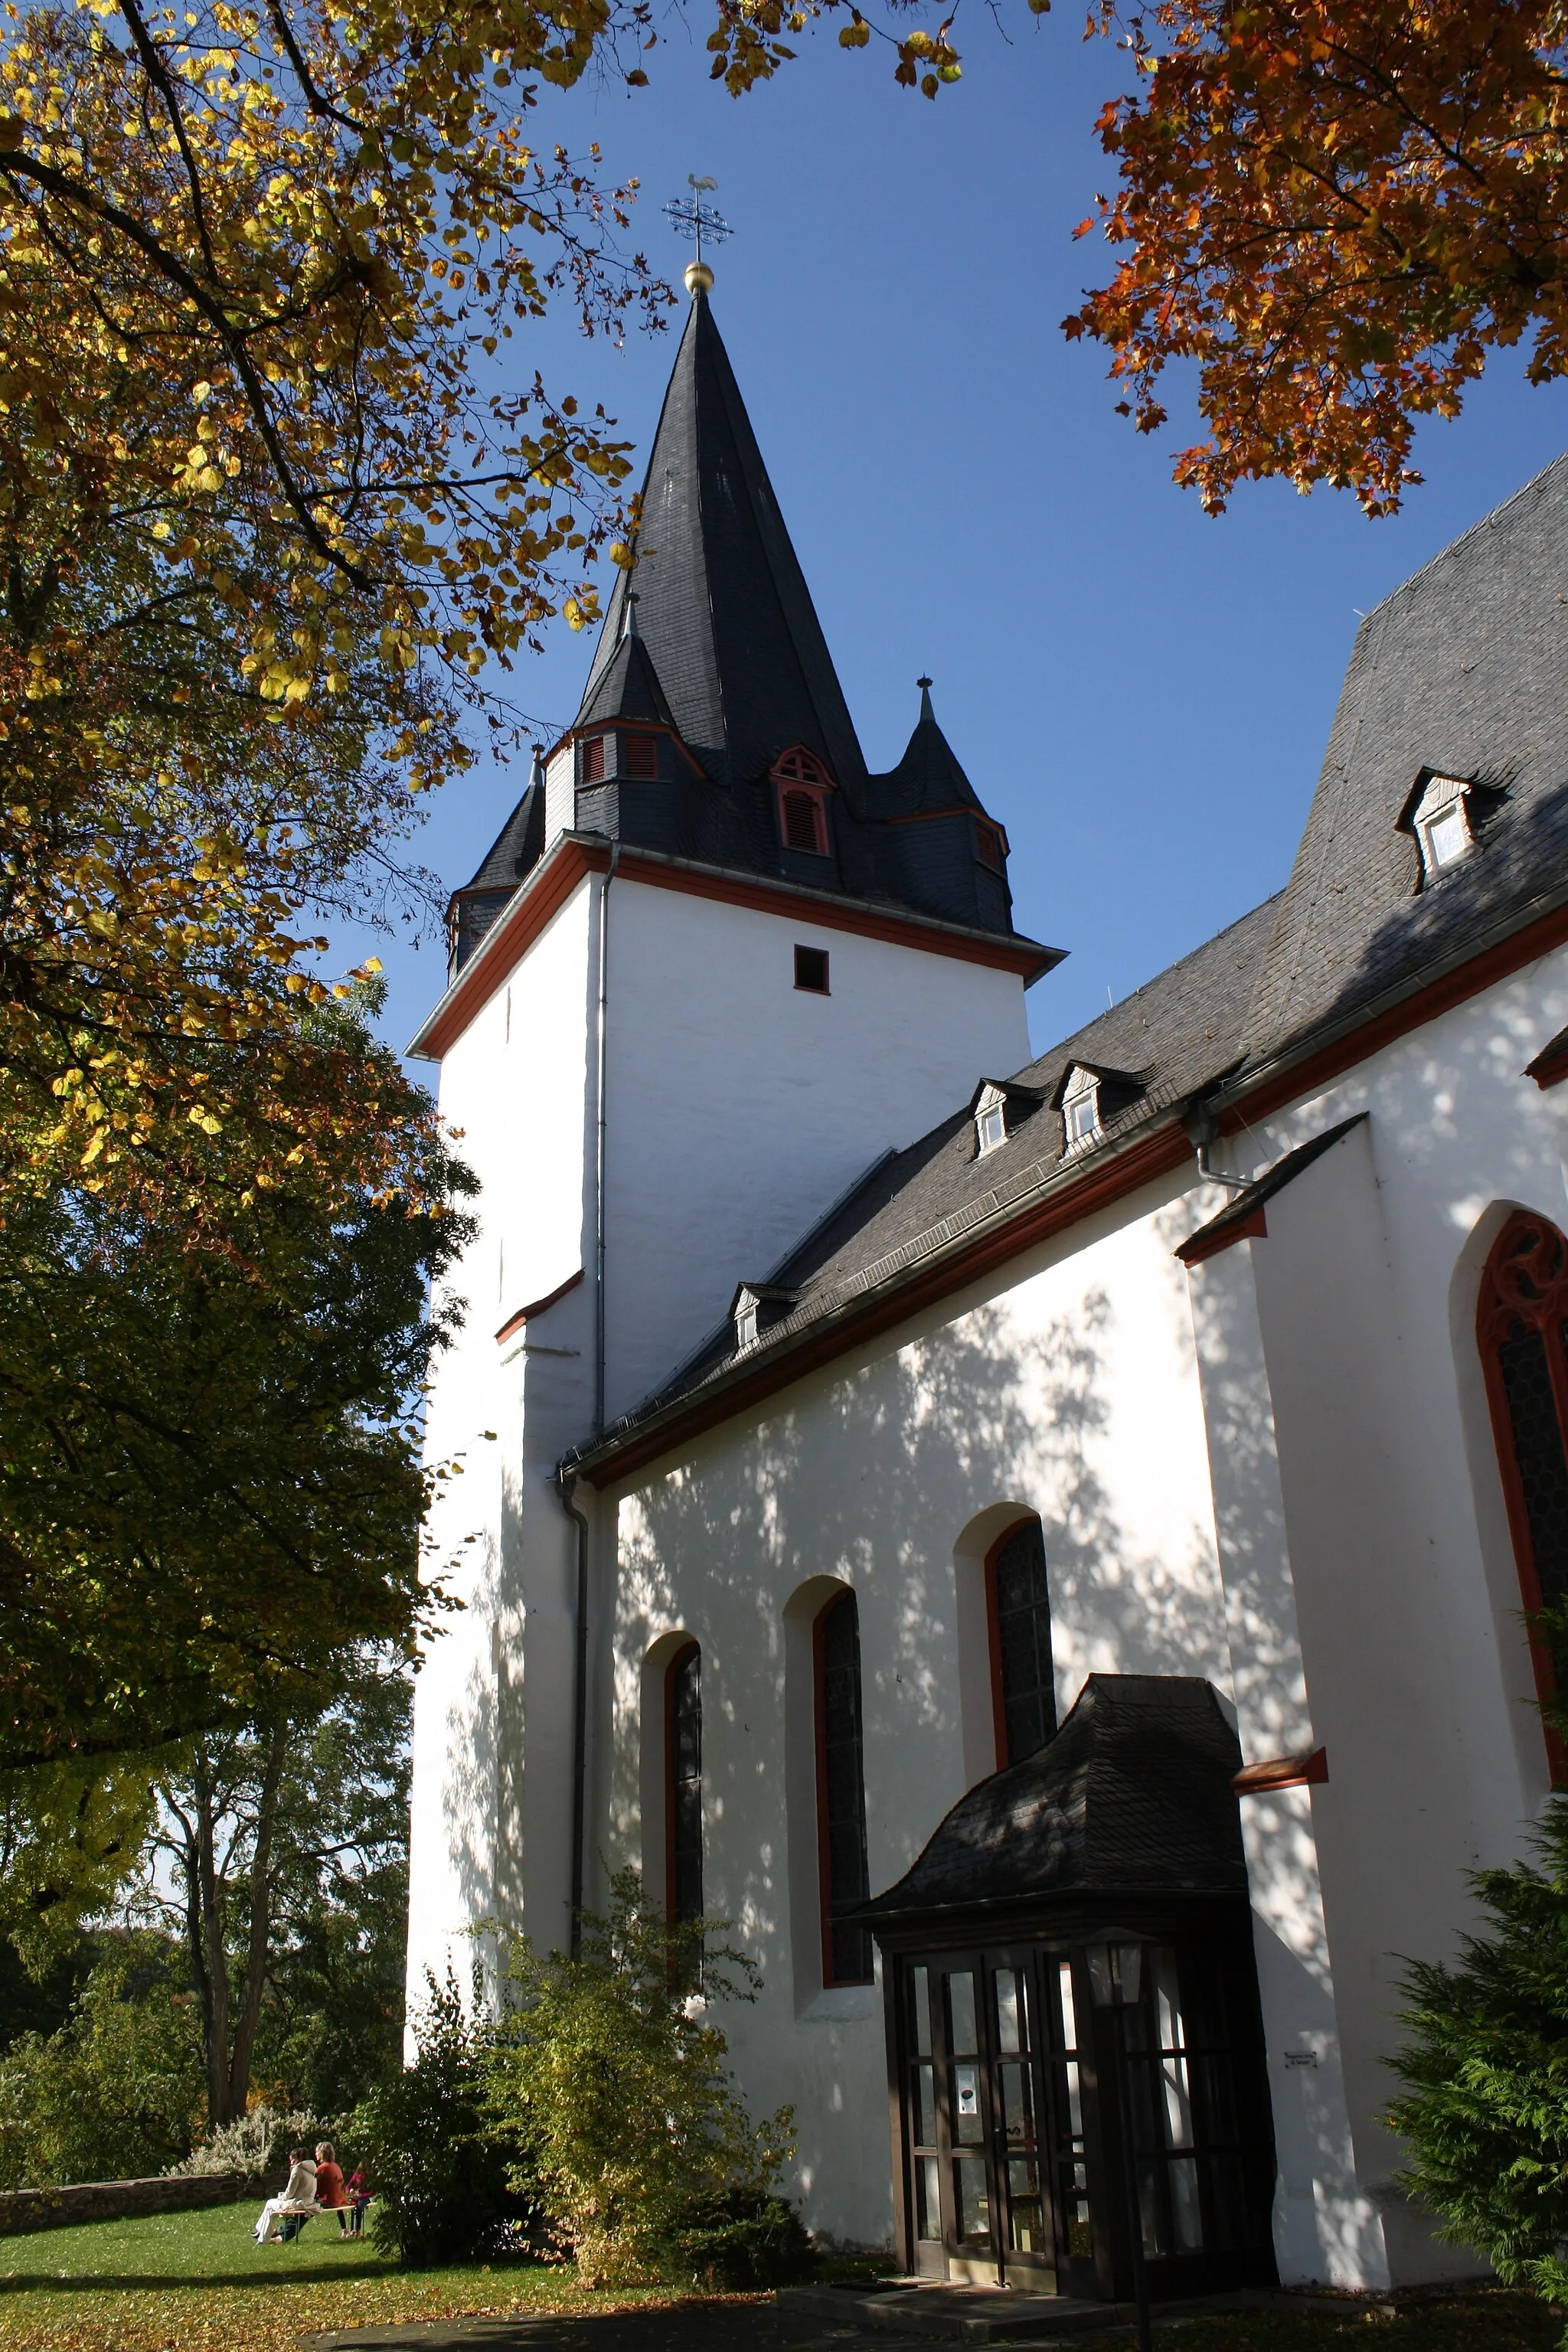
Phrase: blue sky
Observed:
(1141, 693)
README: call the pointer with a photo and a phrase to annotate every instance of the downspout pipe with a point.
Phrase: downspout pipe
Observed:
(1202, 1123)
(566, 1486)
(601, 1130)
(566, 1481)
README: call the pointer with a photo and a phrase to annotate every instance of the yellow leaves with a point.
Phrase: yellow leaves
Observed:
(856, 34)
(199, 1115)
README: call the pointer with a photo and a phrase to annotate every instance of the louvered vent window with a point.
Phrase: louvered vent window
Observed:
(988, 844)
(639, 755)
(594, 760)
(841, 1793)
(1523, 1330)
(803, 826)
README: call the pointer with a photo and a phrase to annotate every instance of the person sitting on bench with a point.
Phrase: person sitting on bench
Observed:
(297, 2203)
(330, 2193)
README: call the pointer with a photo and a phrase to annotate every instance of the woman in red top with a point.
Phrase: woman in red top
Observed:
(329, 2178)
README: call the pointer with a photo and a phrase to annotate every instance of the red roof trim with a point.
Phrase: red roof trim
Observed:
(536, 1307)
(870, 1316)
(1306, 1771)
(1548, 1069)
(1210, 1242)
(553, 882)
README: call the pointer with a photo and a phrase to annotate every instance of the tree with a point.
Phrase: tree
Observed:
(71, 1836)
(262, 529)
(116, 2092)
(432, 2150)
(1338, 209)
(1485, 2107)
(210, 1477)
(265, 1832)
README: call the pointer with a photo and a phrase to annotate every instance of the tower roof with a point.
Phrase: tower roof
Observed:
(722, 604)
(927, 778)
(626, 686)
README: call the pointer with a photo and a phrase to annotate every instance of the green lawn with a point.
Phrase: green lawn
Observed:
(199, 2282)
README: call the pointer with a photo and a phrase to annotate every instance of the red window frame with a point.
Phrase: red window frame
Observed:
(794, 800)
(594, 760)
(801, 782)
(830, 1975)
(988, 845)
(640, 756)
(1526, 1282)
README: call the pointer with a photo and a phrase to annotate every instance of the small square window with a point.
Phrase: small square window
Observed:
(811, 970)
(639, 755)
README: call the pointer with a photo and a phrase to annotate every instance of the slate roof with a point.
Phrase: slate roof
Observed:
(1133, 1795)
(927, 778)
(1463, 670)
(722, 604)
(625, 687)
(729, 653)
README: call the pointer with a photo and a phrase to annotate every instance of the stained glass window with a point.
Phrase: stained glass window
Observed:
(1022, 1676)
(1522, 1328)
(841, 1795)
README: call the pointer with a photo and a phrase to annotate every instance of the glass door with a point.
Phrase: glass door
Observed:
(973, 2097)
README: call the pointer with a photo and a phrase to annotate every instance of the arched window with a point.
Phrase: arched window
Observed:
(1018, 1604)
(683, 1786)
(841, 1792)
(1521, 1325)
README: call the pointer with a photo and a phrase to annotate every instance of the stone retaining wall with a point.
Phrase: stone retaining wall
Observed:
(113, 2200)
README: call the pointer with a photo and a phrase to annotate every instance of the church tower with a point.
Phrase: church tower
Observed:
(711, 970)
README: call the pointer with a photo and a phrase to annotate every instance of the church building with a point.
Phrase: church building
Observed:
(1042, 1545)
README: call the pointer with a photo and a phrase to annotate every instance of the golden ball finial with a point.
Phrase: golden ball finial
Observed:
(699, 278)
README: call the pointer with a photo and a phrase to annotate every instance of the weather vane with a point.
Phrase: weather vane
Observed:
(690, 216)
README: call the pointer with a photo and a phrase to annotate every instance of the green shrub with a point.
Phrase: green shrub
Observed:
(606, 2076)
(1485, 2110)
(119, 2091)
(745, 2240)
(436, 2165)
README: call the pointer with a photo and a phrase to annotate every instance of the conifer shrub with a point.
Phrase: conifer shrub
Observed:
(606, 2077)
(1484, 2111)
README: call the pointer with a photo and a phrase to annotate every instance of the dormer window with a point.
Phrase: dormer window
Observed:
(988, 844)
(802, 785)
(990, 1121)
(1080, 1109)
(1442, 823)
(756, 1307)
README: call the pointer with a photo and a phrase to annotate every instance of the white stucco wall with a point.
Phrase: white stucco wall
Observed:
(741, 1107)
(1282, 1476)
(1073, 1392)
(738, 1108)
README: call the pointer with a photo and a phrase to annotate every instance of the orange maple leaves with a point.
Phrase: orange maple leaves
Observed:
(1335, 208)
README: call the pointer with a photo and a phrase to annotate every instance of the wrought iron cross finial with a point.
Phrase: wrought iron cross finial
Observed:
(689, 216)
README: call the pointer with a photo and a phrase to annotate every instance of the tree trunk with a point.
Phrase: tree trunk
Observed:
(260, 1941)
(215, 1959)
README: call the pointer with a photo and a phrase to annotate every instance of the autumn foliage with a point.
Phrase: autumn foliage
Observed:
(1337, 209)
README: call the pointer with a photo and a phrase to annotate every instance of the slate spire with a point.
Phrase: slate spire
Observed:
(722, 606)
